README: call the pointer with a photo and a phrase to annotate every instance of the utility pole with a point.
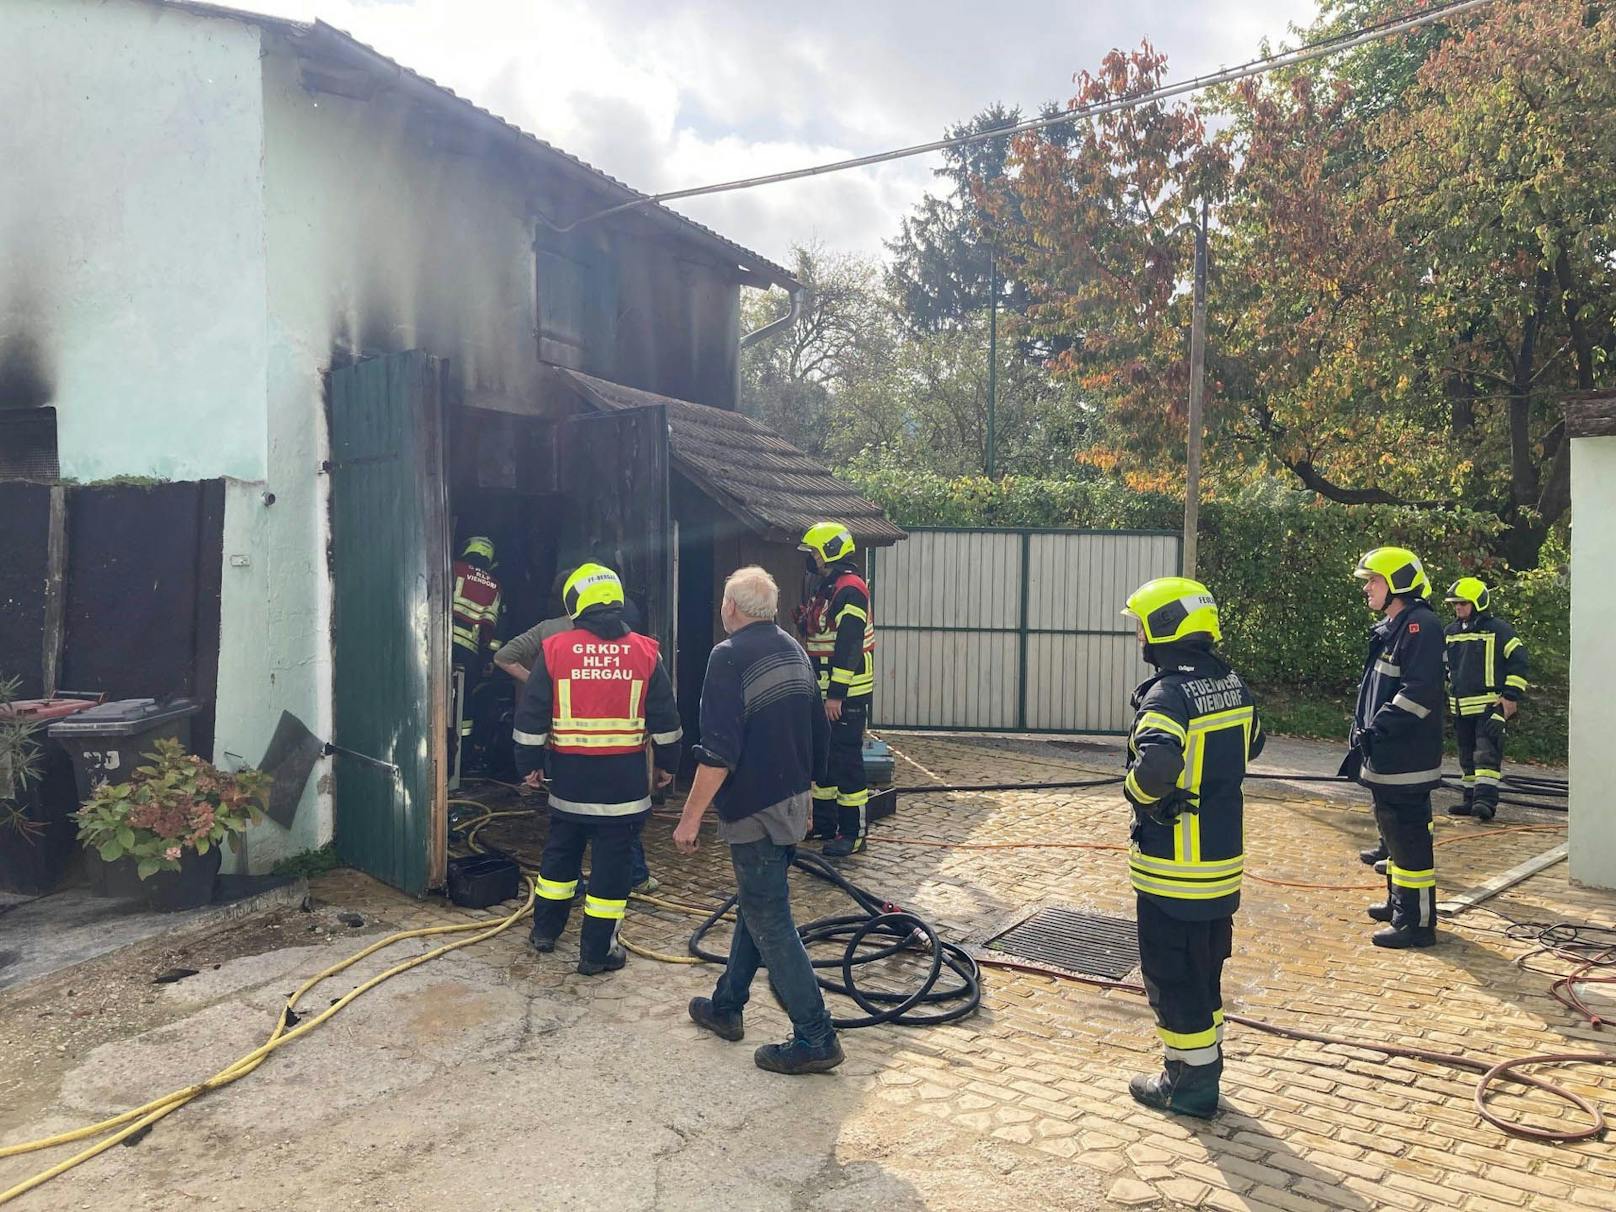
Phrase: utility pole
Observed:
(1192, 478)
(993, 349)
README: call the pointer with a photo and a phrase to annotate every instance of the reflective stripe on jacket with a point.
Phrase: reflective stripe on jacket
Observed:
(1194, 732)
(1400, 700)
(838, 632)
(1486, 661)
(475, 608)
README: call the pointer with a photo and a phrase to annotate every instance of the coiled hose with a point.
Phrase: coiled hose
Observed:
(886, 930)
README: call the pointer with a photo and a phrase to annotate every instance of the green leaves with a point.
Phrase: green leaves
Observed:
(174, 803)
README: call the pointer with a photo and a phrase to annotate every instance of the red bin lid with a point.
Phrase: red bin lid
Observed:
(44, 710)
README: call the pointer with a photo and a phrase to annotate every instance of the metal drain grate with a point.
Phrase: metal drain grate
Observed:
(1081, 942)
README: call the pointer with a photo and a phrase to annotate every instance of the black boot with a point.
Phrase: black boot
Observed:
(615, 959)
(797, 1055)
(1375, 854)
(1485, 809)
(1381, 912)
(1380, 867)
(1398, 938)
(1180, 1088)
(842, 847)
(708, 1017)
(1463, 808)
(542, 943)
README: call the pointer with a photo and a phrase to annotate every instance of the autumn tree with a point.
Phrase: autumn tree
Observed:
(1409, 289)
(1107, 244)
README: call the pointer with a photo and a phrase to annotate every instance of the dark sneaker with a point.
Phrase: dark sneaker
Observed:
(1410, 936)
(1181, 1089)
(705, 1016)
(1375, 854)
(1380, 913)
(541, 943)
(615, 959)
(799, 1056)
(842, 847)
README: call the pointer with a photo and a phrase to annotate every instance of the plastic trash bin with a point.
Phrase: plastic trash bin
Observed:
(37, 846)
(109, 741)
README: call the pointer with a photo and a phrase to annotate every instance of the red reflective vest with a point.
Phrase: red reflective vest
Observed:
(475, 607)
(820, 631)
(599, 703)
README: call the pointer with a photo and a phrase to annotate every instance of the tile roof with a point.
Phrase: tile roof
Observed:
(754, 474)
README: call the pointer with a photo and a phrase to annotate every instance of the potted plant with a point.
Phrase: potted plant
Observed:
(19, 767)
(171, 817)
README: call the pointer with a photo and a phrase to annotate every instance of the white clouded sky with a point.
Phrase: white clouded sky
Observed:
(688, 92)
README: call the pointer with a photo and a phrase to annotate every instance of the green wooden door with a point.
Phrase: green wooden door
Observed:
(390, 567)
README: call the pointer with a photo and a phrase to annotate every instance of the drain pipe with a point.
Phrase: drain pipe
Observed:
(799, 300)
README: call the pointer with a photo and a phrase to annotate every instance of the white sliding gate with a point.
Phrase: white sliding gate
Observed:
(1011, 630)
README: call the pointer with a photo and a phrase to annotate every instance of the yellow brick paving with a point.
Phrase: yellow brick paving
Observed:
(1044, 1065)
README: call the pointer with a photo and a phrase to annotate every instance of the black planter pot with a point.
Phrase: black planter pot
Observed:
(117, 880)
(190, 887)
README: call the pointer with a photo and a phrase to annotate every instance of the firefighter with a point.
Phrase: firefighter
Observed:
(1195, 730)
(1397, 740)
(475, 611)
(837, 626)
(596, 692)
(1486, 679)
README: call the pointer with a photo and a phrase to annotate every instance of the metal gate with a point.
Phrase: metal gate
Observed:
(1012, 630)
(390, 565)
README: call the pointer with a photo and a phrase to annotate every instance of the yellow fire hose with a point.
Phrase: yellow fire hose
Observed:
(135, 1121)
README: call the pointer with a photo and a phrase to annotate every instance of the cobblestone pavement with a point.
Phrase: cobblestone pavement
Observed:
(1030, 1095)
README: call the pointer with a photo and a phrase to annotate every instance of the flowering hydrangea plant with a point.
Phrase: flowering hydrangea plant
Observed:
(177, 803)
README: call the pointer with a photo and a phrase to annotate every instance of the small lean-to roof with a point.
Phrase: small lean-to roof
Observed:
(757, 476)
(325, 42)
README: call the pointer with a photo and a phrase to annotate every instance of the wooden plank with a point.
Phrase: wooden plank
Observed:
(1591, 418)
(55, 589)
(1505, 880)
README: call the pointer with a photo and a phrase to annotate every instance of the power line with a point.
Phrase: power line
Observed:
(1254, 67)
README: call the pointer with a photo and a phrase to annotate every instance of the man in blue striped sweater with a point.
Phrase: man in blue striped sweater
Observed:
(764, 739)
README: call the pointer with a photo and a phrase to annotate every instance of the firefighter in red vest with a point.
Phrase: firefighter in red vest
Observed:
(475, 611)
(838, 630)
(594, 695)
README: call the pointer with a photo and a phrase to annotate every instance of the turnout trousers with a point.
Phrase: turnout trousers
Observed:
(1182, 965)
(839, 802)
(1404, 819)
(610, 841)
(1481, 758)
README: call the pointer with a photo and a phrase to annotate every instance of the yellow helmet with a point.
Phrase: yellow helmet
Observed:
(591, 585)
(832, 541)
(1401, 567)
(1472, 590)
(479, 545)
(1174, 608)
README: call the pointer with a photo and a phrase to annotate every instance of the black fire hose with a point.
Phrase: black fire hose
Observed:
(1547, 794)
(886, 930)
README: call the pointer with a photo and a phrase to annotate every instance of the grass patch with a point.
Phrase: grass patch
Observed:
(1537, 734)
(310, 862)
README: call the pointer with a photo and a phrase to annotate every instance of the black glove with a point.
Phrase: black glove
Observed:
(1363, 740)
(1351, 765)
(1170, 807)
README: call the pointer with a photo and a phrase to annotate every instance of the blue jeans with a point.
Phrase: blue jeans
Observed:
(765, 936)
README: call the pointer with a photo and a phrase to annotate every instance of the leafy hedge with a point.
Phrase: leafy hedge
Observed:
(1280, 562)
